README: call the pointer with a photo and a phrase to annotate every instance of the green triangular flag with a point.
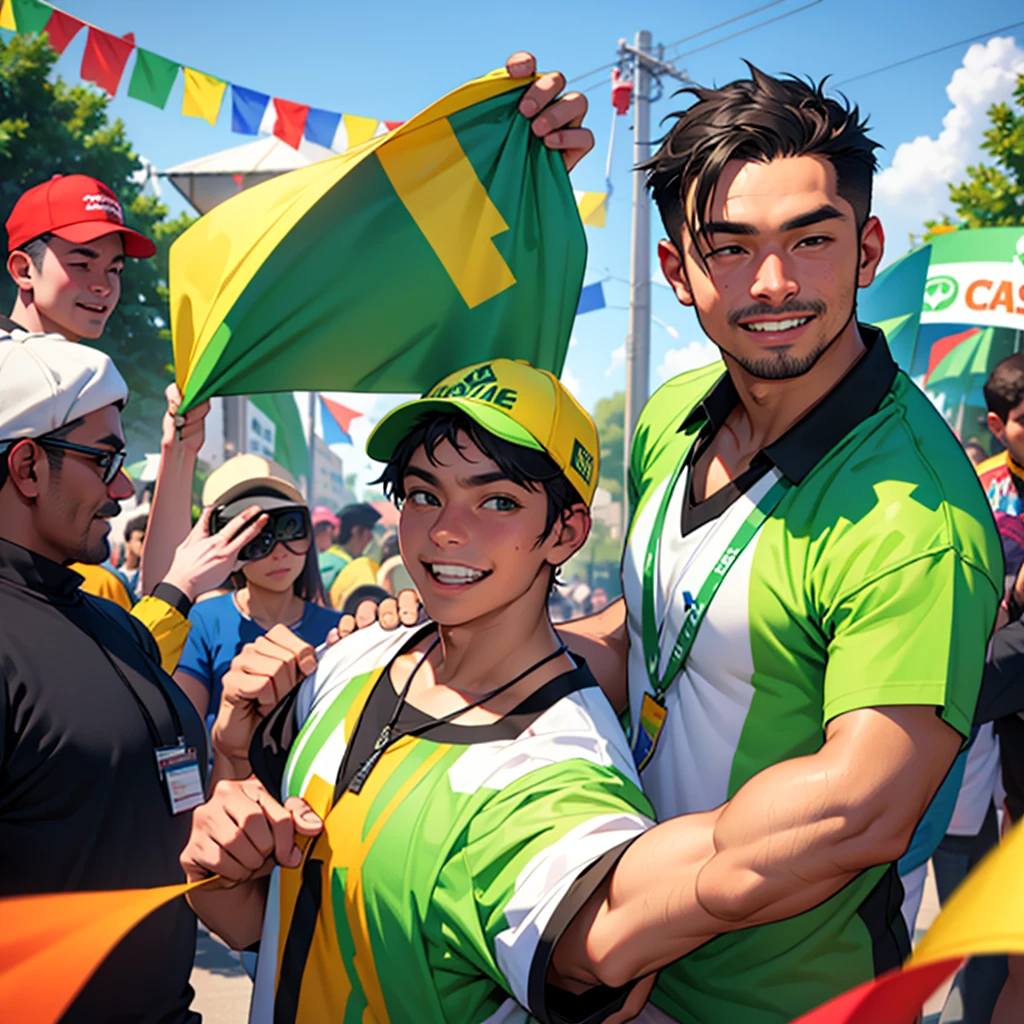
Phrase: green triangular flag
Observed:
(153, 78)
(31, 15)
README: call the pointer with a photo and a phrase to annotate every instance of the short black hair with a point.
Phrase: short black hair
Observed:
(526, 467)
(35, 248)
(137, 525)
(760, 118)
(1004, 388)
(361, 514)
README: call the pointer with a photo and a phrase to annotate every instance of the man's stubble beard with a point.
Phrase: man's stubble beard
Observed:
(783, 366)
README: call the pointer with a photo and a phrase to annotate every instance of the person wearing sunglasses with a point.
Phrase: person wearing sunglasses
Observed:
(276, 580)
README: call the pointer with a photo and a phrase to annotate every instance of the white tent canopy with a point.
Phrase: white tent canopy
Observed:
(212, 179)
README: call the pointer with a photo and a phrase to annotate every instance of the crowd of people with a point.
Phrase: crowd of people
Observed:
(446, 785)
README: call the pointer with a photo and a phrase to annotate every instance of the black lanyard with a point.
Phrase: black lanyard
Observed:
(387, 736)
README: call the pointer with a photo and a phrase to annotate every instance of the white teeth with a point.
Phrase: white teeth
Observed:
(456, 573)
(777, 325)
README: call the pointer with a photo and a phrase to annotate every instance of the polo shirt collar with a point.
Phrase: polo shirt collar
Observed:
(30, 571)
(808, 441)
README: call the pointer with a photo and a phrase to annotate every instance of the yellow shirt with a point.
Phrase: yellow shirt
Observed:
(358, 572)
(168, 626)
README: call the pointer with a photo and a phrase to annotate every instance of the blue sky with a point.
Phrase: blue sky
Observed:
(388, 60)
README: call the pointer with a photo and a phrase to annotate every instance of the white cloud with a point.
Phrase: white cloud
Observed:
(914, 188)
(572, 382)
(692, 357)
(618, 360)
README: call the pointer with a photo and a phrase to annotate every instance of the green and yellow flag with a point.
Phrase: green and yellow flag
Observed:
(451, 240)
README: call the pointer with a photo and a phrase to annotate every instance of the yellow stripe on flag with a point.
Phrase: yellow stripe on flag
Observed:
(203, 95)
(435, 180)
(213, 262)
(7, 16)
(359, 129)
(593, 207)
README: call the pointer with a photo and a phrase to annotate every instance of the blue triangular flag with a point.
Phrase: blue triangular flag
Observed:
(591, 298)
(247, 109)
(321, 126)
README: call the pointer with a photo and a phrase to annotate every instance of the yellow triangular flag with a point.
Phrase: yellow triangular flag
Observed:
(358, 129)
(203, 95)
(593, 207)
(7, 16)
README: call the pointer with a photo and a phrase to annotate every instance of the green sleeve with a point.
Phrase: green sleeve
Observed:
(913, 634)
(498, 895)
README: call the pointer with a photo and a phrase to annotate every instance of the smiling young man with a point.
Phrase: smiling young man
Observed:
(467, 782)
(810, 577)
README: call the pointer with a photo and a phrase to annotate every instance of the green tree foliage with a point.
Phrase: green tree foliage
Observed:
(49, 127)
(993, 196)
(609, 415)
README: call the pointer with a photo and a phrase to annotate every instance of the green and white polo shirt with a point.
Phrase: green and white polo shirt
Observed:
(436, 894)
(874, 582)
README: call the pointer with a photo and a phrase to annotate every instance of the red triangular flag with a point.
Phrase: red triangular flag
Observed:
(291, 121)
(61, 29)
(238, 179)
(105, 57)
(342, 414)
(392, 125)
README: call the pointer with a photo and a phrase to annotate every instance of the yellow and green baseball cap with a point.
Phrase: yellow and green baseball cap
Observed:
(514, 401)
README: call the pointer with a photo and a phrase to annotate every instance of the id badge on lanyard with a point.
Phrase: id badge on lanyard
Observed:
(179, 770)
(652, 709)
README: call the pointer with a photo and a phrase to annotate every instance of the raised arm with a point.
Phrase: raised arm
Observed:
(789, 839)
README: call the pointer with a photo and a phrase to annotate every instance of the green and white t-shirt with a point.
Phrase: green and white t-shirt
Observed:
(436, 894)
(874, 582)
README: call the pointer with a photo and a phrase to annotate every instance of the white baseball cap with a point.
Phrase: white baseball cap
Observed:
(47, 381)
(251, 474)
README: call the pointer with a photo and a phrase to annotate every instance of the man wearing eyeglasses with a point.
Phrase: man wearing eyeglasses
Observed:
(67, 246)
(103, 756)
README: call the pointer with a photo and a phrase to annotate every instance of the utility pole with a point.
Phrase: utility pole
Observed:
(647, 69)
(312, 449)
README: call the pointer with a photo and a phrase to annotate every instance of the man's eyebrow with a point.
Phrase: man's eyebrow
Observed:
(482, 479)
(423, 474)
(81, 250)
(804, 220)
(109, 439)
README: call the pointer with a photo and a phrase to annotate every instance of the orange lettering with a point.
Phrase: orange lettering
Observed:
(1003, 297)
(1020, 292)
(972, 303)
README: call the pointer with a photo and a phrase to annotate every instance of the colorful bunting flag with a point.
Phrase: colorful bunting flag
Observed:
(336, 419)
(61, 29)
(592, 206)
(152, 78)
(353, 131)
(591, 298)
(203, 95)
(286, 120)
(321, 126)
(247, 110)
(105, 57)
(25, 16)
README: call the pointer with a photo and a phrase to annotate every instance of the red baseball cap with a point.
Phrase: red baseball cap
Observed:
(76, 208)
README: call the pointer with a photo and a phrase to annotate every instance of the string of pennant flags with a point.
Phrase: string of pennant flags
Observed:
(252, 112)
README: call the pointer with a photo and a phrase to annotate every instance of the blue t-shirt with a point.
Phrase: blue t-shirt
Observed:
(220, 630)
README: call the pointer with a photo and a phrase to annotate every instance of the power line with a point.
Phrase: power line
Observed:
(722, 24)
(921, 56)
(750, 28)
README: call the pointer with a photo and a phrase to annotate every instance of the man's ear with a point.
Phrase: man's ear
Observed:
(674, 271)
(571, 533)
(20, 267)
(872, 248)
(24, 463)
(997, 426)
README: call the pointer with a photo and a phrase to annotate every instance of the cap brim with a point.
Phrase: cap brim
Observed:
(135, 245)
(267, 503)
(267, 492)
(389, 432)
